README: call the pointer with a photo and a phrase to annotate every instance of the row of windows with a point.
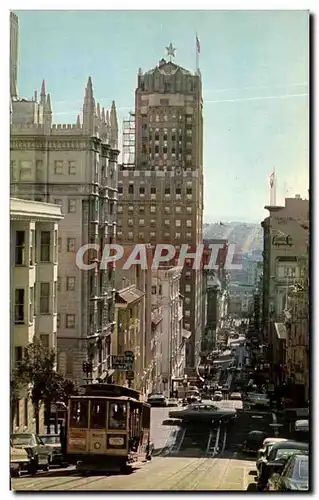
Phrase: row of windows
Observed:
(157, 117)
(59, 167)
(24, 310)
(70, 284)
(152, 235)
(69, 320)
(156, 290)
(167, 191)
(72, 204)
(153, 209)
(70, 244)
(26, 170)
(167, 222)
(47, 241)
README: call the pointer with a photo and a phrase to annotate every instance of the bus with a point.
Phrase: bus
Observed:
(108, 428)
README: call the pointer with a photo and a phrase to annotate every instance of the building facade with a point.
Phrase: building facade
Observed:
(136, 275)
(166, 296)
(75, 167)
(161, 191)
(129, 335)
(33, 283)
(285, 252)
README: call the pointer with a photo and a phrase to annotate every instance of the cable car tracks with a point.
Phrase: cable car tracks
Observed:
(195, 441)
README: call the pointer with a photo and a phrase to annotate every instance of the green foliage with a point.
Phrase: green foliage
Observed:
(38, 369)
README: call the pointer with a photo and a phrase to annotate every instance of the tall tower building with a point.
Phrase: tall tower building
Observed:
(161, 192)
(14, 40)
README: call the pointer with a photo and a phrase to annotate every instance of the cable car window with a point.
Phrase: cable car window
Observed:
(98, 414)
(117, 416)
(135, 421)
(79, 415)
(146, 417)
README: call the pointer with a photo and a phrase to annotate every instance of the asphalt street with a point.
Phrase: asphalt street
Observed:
(164, 473)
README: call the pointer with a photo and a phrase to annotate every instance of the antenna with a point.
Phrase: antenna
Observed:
(273, 182)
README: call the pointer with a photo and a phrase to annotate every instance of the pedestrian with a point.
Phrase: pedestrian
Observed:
(63, 440)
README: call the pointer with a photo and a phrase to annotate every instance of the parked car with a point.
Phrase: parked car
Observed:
(19, 461)
(173, 402)
(157, 399)
(254, 441)
(218, 396)
(52, 441)
(258, 400)
(266, 446)
(294, 477)
(275, 460)
(40, 455)
(301, 431)
(235, 396)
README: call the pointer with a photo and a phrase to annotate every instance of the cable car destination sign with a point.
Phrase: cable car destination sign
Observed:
(124, 362)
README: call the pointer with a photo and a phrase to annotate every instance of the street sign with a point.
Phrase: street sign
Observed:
(122, 363)
(130, 375)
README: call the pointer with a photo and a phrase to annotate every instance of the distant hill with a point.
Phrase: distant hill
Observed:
(247, 236)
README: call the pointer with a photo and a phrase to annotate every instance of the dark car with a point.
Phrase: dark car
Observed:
(38, 452)
(254, 441)
(203, 412)
(294, 477)
(276, 458)
(53, 442)
(264, 450)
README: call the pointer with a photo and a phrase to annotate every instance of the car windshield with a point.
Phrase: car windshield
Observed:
(283, 453)
(22, 440)
(50, 439)
(301, 469)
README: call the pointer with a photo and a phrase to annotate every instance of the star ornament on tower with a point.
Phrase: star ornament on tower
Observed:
(171, 51)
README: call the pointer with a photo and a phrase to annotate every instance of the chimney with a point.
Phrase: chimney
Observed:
(297, 197)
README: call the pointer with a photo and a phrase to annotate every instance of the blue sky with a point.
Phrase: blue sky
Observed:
(254, 66)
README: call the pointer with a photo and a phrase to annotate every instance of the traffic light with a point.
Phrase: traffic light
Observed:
(87, 367)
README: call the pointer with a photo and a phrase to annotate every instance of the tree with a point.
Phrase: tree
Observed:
(14, 398)
(37, 368)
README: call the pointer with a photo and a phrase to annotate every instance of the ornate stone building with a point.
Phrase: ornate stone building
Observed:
(75, 167)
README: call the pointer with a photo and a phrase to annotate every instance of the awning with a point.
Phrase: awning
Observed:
(281, 330)
(156, 317)
(186, 334)
(128, 296)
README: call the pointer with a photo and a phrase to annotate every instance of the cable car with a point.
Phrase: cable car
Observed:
(108, 428)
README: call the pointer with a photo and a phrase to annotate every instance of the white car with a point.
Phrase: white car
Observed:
(218, 396)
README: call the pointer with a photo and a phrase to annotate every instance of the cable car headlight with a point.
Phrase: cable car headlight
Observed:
(97, 445)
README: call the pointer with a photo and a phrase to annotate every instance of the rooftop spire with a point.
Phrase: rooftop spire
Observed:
(89, 88)
(114, 126)
(113, 116)
(103, 115)
(48, 107)
(43, 88)
(42, 93)
(78, 122)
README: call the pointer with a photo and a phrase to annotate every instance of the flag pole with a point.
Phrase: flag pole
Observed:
(197, 53)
